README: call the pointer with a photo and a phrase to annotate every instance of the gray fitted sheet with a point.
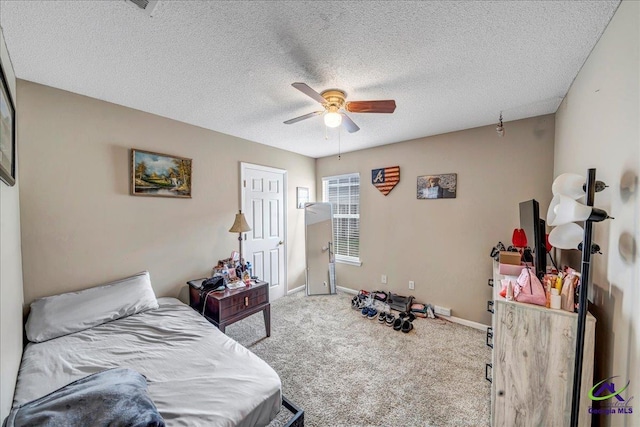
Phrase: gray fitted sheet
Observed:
(197, 375)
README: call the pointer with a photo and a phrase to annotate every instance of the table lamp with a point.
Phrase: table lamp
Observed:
(240, 226)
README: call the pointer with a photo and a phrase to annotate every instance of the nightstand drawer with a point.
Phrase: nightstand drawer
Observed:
(237, 303)
(225, 307)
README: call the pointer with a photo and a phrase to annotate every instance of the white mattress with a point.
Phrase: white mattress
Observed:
(197, 375)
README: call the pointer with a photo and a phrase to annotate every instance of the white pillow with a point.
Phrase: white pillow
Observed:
(63, 314)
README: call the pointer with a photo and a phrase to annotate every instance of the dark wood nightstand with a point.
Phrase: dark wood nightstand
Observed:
(225, 307)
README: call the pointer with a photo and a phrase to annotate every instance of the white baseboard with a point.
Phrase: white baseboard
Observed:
(294, 290)
(466, 322)
(347, 290)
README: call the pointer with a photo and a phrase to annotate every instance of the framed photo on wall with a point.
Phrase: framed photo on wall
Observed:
(443, 186)
(161, 175)
(302, 197)
(7, 132)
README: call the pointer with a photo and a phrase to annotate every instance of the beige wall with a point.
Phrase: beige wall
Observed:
(597, 127)
(10, 272)
(443, 245)
(80, 226)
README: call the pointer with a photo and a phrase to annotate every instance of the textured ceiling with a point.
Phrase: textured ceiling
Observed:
(228, 65)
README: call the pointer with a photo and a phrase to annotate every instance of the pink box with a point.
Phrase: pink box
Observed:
(510, 269)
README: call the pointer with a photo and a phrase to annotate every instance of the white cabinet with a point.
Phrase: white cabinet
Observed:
(533, 363)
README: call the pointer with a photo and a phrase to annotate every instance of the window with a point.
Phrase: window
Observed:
(343, 192)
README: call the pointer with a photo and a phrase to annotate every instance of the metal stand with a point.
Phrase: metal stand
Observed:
(583, 301)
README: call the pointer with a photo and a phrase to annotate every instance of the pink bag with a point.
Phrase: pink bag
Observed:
(530, 288)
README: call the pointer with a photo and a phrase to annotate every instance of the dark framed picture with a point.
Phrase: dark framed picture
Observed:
(7, 133)
(302, 197)
(161, 175)
(442, 186)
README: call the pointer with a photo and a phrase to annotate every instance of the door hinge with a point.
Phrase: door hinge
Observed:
(244, 183)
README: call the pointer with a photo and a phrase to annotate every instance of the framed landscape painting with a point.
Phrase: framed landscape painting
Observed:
(7, 133)
(161, 175)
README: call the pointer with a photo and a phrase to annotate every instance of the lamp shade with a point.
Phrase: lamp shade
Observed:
(570, 236)
(566, 236)
(573, 185)
(569, 184)
(564, 209)
(240, 224)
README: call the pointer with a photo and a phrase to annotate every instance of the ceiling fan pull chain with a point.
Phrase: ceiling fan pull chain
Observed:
(339, 133)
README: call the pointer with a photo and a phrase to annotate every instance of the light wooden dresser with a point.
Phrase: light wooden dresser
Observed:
(533, 361)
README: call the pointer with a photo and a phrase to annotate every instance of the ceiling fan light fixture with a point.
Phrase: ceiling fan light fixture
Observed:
(332, 119)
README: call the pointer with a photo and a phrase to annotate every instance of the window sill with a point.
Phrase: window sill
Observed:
(348, 262)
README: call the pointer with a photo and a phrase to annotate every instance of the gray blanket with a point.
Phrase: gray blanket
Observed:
(115, 398)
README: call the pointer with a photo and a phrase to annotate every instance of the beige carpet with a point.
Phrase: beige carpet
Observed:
(346, 370)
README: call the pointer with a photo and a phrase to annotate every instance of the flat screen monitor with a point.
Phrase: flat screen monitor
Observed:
(535, 230)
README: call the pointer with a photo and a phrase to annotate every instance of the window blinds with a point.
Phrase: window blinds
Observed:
(343, 192)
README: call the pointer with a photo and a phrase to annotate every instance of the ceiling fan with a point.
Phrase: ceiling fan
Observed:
(334, 103)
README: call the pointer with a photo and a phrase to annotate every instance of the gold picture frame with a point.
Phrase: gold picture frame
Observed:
(160, 175)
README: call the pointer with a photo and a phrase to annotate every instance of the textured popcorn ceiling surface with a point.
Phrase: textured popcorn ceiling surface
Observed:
(228, 65)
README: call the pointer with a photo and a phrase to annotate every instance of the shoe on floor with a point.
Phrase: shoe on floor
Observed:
(372, 313)
(390, 319)
(407, 326)
(382, 317)
(397, 324)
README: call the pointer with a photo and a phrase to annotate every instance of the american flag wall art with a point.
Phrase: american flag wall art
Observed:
(384, 179)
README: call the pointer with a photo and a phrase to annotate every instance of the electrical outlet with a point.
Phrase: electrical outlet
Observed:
(383, 279)
(412, 284)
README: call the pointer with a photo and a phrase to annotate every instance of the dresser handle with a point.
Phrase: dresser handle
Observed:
(486, 372)
(490, 337)
(490, 282)
(490, 306)
(246, 301)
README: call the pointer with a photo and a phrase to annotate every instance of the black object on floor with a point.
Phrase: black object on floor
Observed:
(297, 420)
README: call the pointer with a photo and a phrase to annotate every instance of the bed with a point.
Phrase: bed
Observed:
(196, 375)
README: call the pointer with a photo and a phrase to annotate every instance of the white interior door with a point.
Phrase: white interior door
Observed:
(263, 202)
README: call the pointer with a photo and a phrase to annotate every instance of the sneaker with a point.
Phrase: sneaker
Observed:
(382, 317)
(390, 319)
(397, 324)
(372, 313)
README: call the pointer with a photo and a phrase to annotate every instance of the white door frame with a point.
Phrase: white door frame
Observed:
(243, 166)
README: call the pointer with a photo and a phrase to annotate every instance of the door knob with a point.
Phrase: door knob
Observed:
(280, 243)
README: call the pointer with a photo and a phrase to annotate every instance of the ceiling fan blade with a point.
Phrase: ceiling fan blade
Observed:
(386, 106)
(306, 116)
(348, 124)
(302, 87)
